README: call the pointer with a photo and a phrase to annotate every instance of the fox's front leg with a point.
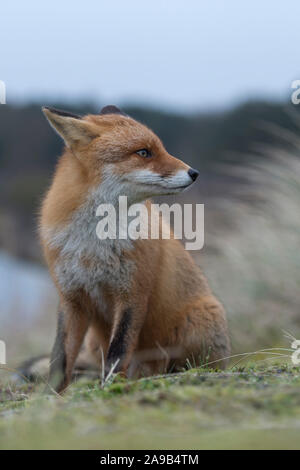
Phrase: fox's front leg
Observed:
(127, 324)
(72, 326)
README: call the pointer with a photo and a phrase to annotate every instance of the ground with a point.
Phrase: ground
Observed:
(249, 407)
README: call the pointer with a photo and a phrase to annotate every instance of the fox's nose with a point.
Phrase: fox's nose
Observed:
(193, 174)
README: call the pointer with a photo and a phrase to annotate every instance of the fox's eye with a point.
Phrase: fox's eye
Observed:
(143, 153)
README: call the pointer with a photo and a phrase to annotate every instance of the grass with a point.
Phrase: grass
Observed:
(250, 407)
(254, 264)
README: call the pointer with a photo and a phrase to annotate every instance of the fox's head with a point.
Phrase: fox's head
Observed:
(122, 154)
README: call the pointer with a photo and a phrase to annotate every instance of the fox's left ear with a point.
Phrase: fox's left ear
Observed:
(72, 128)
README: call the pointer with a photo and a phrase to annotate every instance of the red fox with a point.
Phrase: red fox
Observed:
(142, 305)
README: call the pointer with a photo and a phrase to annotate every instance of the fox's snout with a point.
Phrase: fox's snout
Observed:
(158, 183)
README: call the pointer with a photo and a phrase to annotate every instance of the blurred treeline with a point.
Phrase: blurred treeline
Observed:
(29, 150)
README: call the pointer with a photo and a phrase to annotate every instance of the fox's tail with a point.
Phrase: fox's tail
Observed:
(36, 369)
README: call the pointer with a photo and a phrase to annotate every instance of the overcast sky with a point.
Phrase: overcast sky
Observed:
(179, 54)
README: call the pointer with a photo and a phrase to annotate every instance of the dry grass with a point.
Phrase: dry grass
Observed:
(255, 266)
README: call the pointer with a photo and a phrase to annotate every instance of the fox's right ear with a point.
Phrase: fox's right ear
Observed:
(72, 128)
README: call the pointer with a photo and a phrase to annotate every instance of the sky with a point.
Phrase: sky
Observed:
(174, 54)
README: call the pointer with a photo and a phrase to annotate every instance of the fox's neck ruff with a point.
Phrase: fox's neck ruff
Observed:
(85, 261)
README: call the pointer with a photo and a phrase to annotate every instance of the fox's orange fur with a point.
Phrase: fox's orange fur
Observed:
(142, 303)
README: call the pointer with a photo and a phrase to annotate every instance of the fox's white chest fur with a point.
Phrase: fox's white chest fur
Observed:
(85, 261)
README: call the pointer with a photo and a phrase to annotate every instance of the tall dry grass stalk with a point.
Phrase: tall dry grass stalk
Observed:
(255, 267)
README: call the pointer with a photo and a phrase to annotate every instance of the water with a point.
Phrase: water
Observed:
(25, 290)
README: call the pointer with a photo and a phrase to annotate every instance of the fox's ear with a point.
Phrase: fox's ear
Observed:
(72, 128)
(112, 109)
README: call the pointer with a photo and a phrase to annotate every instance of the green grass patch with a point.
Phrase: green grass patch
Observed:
(244, 408)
